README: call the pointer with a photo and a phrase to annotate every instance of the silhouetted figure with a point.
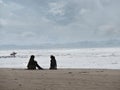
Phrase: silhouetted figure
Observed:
(13, 54)
(32, 64)
(53, 63)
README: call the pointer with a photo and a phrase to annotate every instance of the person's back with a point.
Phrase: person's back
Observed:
(32, 65)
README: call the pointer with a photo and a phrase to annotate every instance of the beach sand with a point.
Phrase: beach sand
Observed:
(61, 79)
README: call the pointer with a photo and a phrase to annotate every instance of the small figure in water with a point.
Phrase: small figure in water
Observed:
(13, 54)
(32, 64)
(53, 63)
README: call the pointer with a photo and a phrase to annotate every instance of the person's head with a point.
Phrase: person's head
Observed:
(32, 57)
(52, 57)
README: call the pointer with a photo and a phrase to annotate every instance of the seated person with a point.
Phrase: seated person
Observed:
(32, 64)
(53, 63)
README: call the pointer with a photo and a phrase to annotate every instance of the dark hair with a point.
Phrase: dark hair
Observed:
(32, 56)
(52, 57)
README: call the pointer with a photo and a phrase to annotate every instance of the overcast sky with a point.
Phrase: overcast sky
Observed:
(27, 22)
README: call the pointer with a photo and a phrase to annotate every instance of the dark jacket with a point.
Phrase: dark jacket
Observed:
(32, 64)
(53, 63)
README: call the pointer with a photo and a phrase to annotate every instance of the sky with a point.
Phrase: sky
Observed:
(29, 22)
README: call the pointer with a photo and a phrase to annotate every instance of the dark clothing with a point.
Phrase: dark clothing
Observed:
(32, 64)
(53, 64)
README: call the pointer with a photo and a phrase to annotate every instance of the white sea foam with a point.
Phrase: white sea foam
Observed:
(100, 58)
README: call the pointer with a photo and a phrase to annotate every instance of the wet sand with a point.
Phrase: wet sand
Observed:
(61, 79)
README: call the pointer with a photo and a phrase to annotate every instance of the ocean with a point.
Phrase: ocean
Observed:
(89, 58)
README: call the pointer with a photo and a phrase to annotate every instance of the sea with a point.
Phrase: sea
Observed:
(82, 58)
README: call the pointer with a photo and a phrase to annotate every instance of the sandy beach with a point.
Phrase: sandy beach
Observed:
(61, 79)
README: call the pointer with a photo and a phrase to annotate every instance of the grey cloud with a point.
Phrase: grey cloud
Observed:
(60, 21)
(0, 24)
(66, 13)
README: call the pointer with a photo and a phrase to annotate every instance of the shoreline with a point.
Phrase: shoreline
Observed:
(64, 68)
(61, 79)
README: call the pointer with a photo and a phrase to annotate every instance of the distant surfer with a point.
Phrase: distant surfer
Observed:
(13, 54)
